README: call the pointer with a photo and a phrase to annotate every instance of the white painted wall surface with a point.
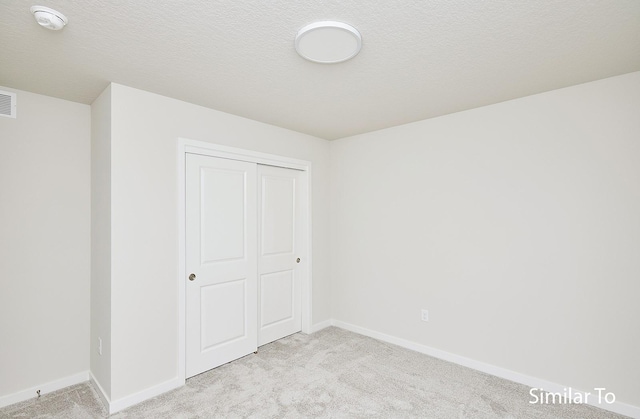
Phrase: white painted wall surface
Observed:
(44, 242)
(516, 225)
(144, 241)
(101, 240)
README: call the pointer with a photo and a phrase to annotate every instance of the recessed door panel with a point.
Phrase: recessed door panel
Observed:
(278, 218)
(222, 220)
(278, 290)
(222, 313)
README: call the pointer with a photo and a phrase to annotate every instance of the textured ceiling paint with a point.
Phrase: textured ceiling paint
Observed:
(419, 59)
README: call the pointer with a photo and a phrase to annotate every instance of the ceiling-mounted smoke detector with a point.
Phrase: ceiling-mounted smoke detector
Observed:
(49, 18)
(328, 42)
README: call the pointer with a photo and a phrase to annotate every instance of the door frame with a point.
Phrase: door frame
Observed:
(188, 146)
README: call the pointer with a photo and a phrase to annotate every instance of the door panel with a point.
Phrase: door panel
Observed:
(223, 220)
(280, 235)
(221, 251)
(222, 313)
(277, 214)
(276, 297)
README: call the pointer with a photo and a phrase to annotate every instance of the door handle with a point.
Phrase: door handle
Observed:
(192, 277)
(298, 260)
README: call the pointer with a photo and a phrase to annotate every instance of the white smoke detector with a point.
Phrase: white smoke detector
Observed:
(49, 18)
(328, 42)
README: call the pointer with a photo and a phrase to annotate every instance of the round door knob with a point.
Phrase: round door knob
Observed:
(298, 260)
(192, 277)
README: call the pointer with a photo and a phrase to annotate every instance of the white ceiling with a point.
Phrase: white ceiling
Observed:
(419, 59)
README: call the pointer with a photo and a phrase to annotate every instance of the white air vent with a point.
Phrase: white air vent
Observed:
(7, 104)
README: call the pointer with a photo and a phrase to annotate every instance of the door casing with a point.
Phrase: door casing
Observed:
(215, 150)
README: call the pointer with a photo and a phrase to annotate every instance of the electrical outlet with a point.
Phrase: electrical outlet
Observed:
(99, 346)
(425, 315)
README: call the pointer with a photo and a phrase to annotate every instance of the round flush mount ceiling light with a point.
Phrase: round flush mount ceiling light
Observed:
(328, 42)
(49, 18)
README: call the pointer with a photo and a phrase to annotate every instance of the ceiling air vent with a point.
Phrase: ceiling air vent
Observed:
(7, 104)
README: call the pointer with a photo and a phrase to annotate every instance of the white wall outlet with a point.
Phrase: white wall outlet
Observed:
(425, 315)
(99, 346)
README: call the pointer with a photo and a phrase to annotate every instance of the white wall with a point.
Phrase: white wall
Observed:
(517, 225)
(101, 240)
(144, 242)
(44, 242)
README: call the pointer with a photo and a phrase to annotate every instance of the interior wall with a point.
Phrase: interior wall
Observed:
(516, 225)
(44, 245)
(101, 241)
(144, 233)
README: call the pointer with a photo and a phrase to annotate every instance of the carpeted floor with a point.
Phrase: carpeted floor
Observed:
(332, 373)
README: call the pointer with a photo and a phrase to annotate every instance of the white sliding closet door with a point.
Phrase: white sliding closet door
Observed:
(280, 245)
(221, 256)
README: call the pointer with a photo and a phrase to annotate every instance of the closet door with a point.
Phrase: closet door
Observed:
(280, 241)
(221, 261)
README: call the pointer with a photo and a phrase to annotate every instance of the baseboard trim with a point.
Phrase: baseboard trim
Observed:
(146, 394)
(30, 393)
(101, 393)
(128, 401)
(616, 407)
(322, 325)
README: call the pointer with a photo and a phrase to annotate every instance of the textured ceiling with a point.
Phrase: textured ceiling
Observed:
(420, 59)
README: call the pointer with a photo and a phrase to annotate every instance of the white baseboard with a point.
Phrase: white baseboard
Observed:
(146, 394)
(322, 325)
(133, 399)
(30, 393)
(101, 393)
(616, 407)
(128, 401)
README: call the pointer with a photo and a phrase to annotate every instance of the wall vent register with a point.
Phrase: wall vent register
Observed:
(7, 104)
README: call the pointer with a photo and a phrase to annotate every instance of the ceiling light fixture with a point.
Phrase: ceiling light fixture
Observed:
(328, 42)
(49, 18)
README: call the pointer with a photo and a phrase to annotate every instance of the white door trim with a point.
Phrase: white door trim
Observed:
(215, 150)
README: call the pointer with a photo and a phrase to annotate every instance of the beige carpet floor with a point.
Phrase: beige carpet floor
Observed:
(330, 374)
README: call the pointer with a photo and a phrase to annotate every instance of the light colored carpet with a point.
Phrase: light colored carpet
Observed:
(332, 373)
